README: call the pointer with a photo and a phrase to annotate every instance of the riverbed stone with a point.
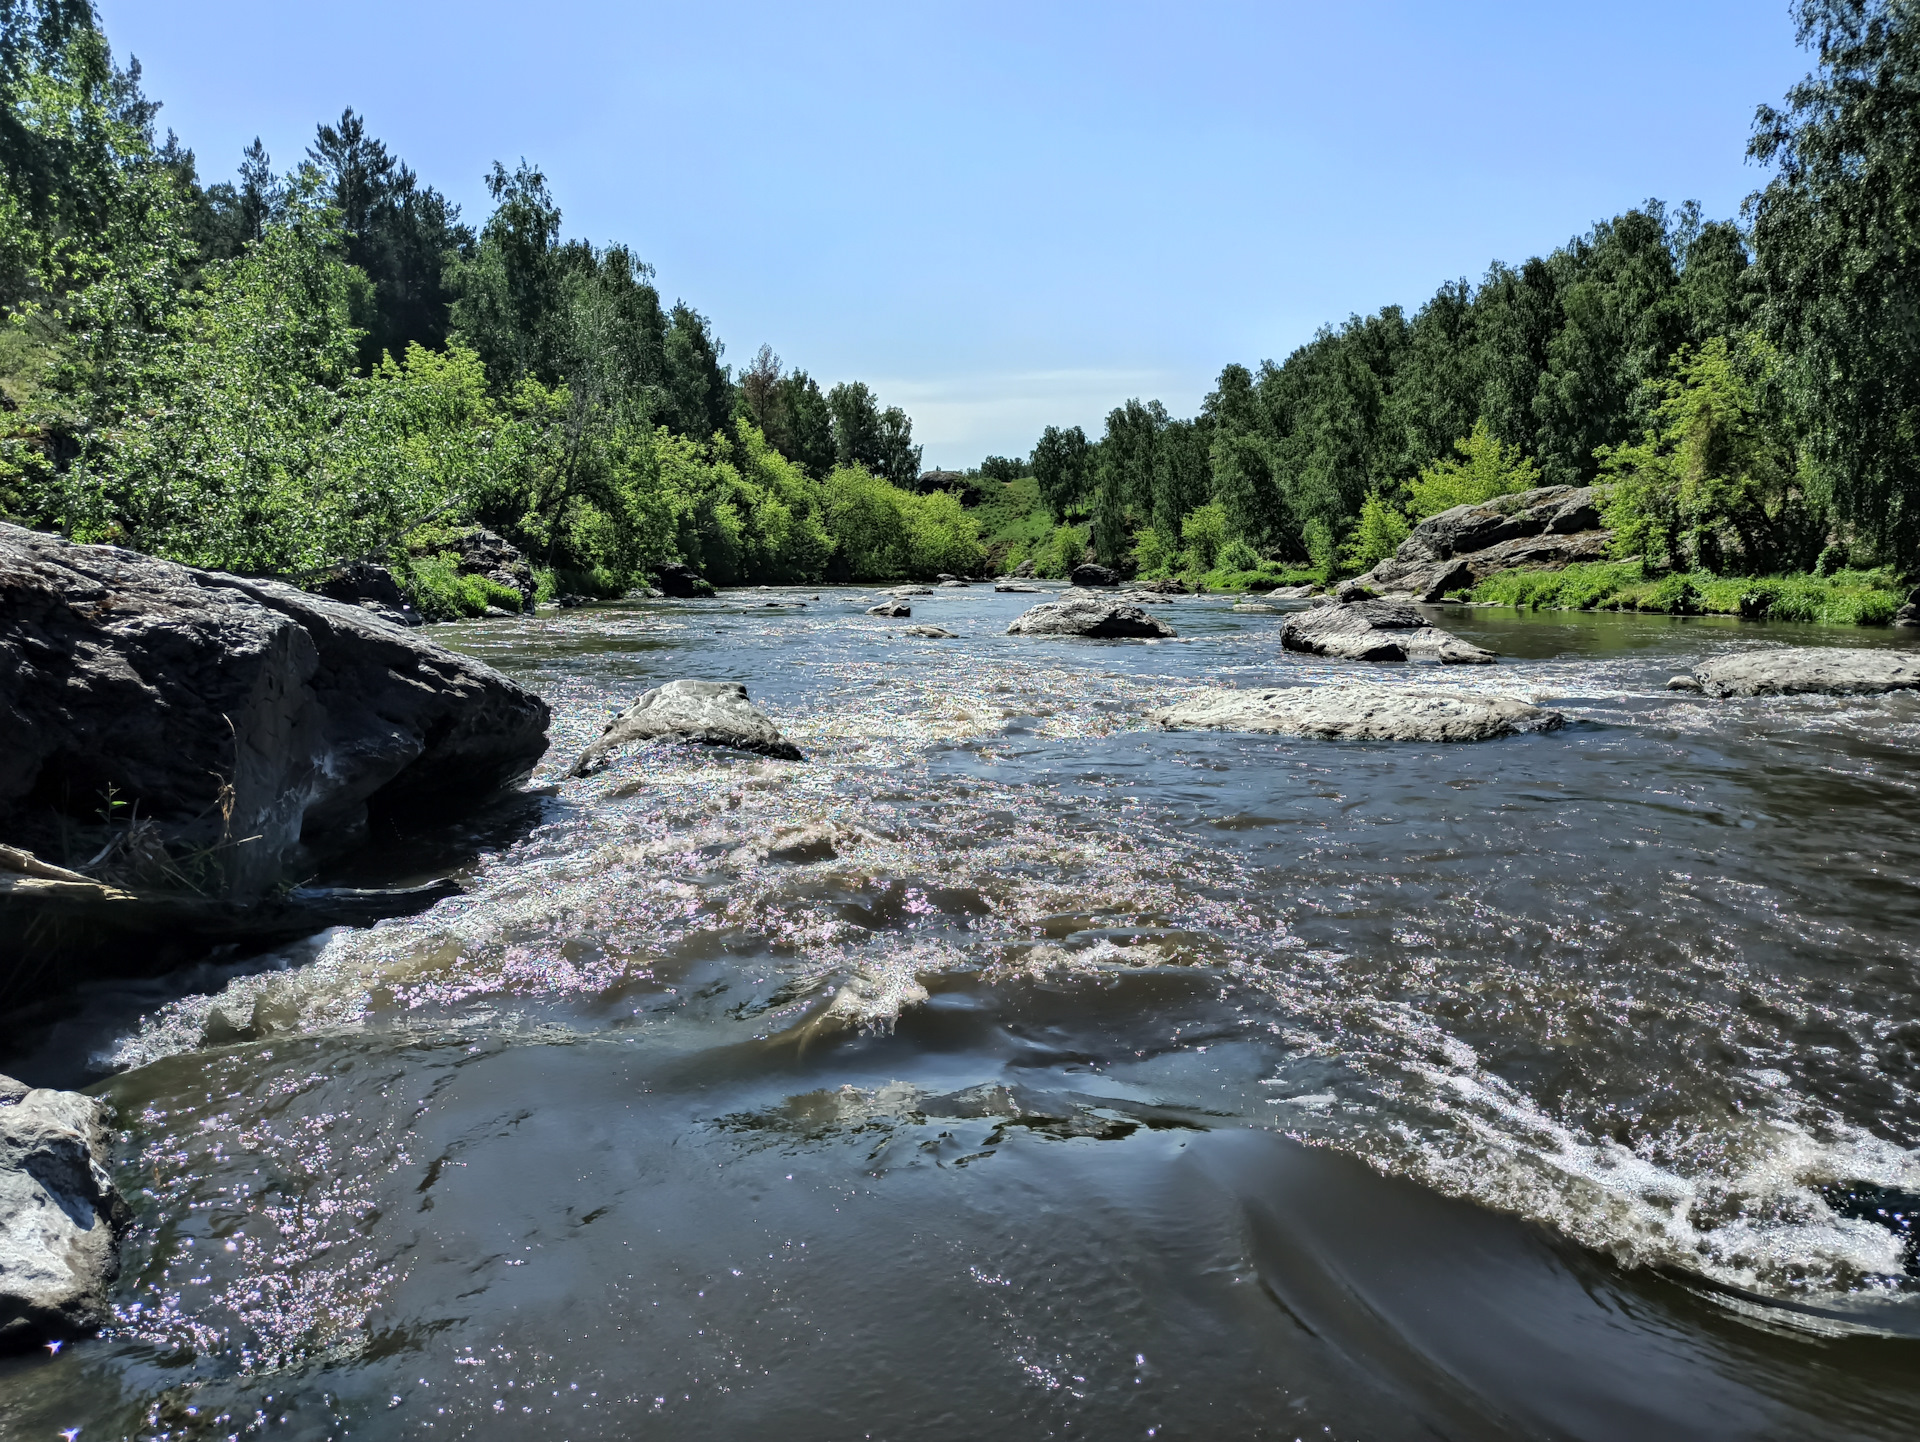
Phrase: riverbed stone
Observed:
(1256, 608)
(1359, 711)
(224, 708)
(682, 582)
(704, 713)
(932, 633)
(1800, 670)
(893, 610)
(1020, 588)
(1090, 574)
(1101, 619)
(59, 1217)
(1376, 631)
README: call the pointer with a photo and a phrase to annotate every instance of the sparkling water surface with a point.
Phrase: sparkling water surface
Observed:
(1011, 1065)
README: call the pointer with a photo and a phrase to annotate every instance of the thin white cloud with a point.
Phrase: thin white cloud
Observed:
(962, 418)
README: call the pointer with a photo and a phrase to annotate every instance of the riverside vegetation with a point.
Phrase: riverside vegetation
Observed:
(190, 367)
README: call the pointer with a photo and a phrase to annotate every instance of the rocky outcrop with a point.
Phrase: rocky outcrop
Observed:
(1128, 597)
(153, 711)
(1168, 586)
(372, 589)
(1543, 529)
(1104, 619)
(1359, 712)
(1800, 670)
(59, 1217)
(1376, 631)
(1909, 614)
(891, 609)
(704, 713)
(1092, 575)
(1024, 569)
(482, 553)
(681, 582)
(1289, 593)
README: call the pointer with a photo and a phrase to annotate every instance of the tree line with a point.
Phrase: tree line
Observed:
(299, 368)
(1748, 391)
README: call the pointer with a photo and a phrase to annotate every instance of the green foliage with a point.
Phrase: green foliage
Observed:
(1848, 598)
(1203, 534)
(1063, 465)
(440, 593)
(1061, 552)
(1834, 233)
(1153, 554)
(1013, 521)
(1714, 483)
(1323, 557)
(1487, 469)
(1376, 536)
(882, 533)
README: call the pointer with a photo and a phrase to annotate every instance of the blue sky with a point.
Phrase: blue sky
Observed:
(1001, 215)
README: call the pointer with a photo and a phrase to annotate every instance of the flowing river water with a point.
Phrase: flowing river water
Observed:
(1009, 1067)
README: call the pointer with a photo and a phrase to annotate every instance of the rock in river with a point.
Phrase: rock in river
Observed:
(708, 713)
(216, 708)
(1358, 711)
(1794, 670)
(1099, 619)
(1376, 631)
(59, 1215)
(932, 633)
(893, 609)
(1091, 575)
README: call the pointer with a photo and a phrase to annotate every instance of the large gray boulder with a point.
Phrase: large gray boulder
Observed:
(59, 1217)
(705, 713)
(1376, 631)
(233, 718)
(1797, 670)
(1101, 620)
(1089, 574)
(1543, 529)
(1358, 711)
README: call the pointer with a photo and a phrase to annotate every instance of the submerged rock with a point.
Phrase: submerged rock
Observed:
(231, 718)
(1256, 608)
(1359, 711)
(1376, 631)
(1098, 619)
(1797, 670)
(890, 609)
(934, 633)
(59, 1217)
(706, 713)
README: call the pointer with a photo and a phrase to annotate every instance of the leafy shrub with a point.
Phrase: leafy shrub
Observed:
(440, 593)
(1203, 533)
(1376, 536)
(1237, 555)
(1061, 553)
(1488, 469)
(1154, 555)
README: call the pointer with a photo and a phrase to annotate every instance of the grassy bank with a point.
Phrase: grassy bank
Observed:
(1846, 598)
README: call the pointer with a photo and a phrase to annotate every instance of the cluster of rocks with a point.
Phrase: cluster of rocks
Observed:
(1376, 631)
(1909, 614)
(60, 1217)
(372, 589)
(1543, 529)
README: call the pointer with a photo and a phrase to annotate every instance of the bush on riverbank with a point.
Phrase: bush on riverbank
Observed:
(1848, 598)
(440, 593)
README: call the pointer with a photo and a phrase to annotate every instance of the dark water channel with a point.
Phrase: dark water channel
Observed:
(1087, 1081)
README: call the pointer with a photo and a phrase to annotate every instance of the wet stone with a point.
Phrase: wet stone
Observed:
(1096, 619)
(1799, 670)
(706, 713)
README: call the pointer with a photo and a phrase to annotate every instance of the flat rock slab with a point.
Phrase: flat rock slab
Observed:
(1803, 670)
(890, 609)
(1019, 587)
(1376, 631)
(1256, 608)
(704, 713)
(932, 633)
(59, 1215)
(1358, 711)
(1101, 620)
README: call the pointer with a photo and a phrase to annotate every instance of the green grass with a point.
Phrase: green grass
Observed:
(1846, 598)
(1013, 522)
(440, 593)
(1266, 576)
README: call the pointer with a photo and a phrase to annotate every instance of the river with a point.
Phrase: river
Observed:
(1065, 1078)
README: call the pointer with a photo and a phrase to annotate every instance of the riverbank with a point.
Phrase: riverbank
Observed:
(1845, 598)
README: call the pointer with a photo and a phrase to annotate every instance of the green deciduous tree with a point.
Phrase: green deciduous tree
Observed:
(1837, 237)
